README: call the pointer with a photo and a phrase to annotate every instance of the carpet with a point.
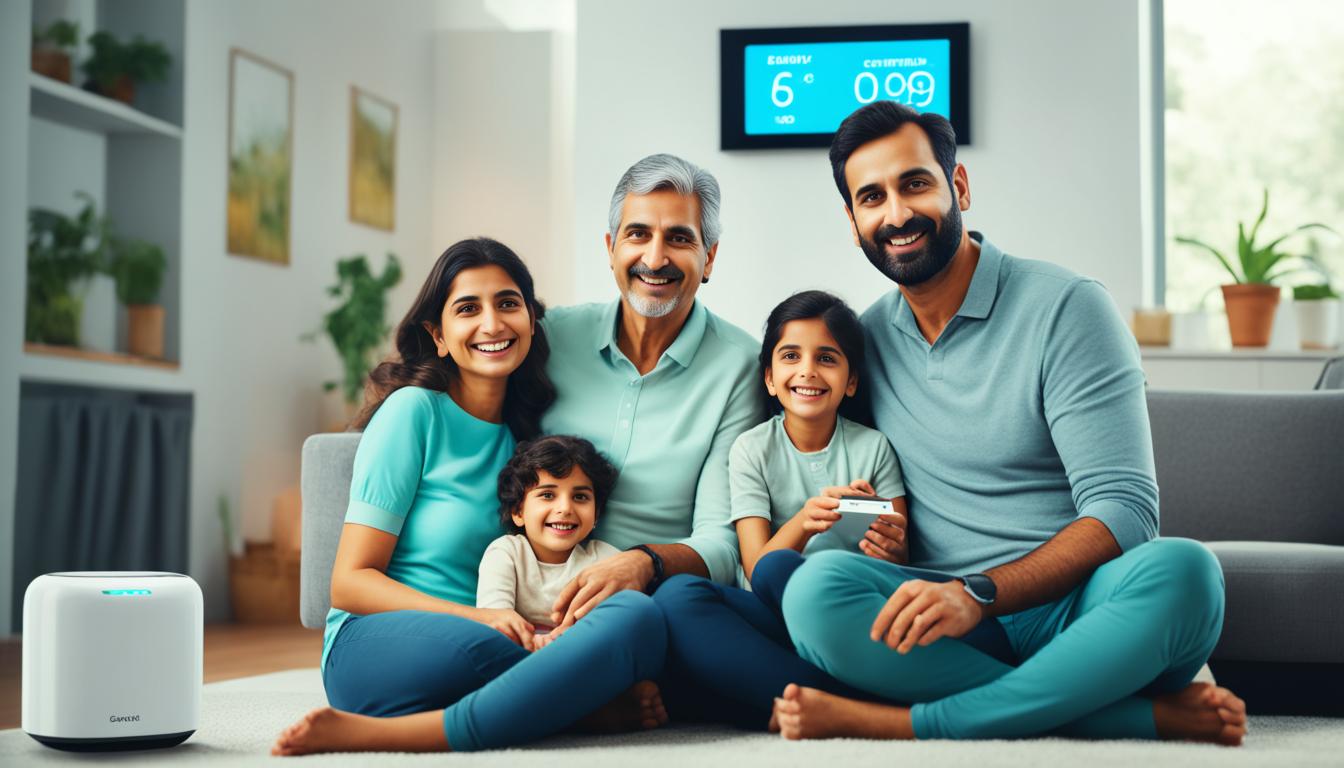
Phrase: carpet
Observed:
(240, 719)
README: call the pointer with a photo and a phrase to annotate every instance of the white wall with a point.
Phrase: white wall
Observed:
(1054, 164)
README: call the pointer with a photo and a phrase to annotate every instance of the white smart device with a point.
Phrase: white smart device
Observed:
(112, 660)
(857, 513)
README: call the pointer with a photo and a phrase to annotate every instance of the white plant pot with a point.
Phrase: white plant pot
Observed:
(1317, 323)
(98, 323)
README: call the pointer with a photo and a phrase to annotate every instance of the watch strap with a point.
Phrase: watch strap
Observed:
(657, 566)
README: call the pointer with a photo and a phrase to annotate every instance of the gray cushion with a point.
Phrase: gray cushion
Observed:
(1285, 602)
(328, 462)
(1253, 466)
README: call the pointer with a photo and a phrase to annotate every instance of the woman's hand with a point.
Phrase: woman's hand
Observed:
(819, 514)
(508, 623)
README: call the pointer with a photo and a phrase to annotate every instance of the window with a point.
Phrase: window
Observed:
(1254, 100)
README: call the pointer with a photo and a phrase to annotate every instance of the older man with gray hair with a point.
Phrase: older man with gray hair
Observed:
(659, 384)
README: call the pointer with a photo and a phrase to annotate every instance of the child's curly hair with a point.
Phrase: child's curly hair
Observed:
(556, 455)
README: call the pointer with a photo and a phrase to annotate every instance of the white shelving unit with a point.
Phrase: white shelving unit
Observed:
(66, 104)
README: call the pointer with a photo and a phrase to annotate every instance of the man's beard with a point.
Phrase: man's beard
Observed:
(648, 307)
(940, 245)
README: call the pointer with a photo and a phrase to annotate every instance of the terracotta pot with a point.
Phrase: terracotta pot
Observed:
(123, 90)
(53, 63)
(1250, 312)
(144, 330)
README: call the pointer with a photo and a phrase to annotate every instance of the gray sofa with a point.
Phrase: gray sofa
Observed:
(1258, 476)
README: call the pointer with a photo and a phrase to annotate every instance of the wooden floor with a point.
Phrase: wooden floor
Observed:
(231, 650)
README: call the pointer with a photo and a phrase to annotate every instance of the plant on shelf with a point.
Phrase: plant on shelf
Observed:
(138, 268)
(51, 49)
(61, 249)
(357, 327)
(1252, 296)
(1318, 306)
(115, 67)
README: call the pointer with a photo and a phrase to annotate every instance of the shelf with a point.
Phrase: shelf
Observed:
(64, 103)
(1244, 353)
(118, 358)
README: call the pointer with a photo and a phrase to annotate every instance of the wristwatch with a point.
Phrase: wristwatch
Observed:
(980, 587)
(657, 579)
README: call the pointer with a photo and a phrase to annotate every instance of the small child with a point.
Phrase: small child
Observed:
(787, 474)
(550, 495)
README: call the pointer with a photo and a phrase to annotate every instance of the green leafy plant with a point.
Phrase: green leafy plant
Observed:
(356, 327)
(62, 34)
(61, 249)
(1261, 264)
(1314, 292)
(138, 268)
(140, 60)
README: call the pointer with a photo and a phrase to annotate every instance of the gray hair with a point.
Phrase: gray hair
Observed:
(662, 171)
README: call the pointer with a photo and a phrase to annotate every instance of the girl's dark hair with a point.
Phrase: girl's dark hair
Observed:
(529, 391)
(840, 321)
(556, 455)
(883, 118)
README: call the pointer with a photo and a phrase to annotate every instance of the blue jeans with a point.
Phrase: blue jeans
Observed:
(729, 653)
(492, 692)
(1144, 623)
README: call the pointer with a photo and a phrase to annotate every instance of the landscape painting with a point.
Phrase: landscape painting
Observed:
(373, 156)
(261, 103)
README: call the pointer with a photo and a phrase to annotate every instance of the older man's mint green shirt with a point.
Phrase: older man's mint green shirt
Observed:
(1027, 413)
(668, 432)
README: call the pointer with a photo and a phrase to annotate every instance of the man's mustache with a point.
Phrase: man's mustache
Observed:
(666, 272)
(917, 224)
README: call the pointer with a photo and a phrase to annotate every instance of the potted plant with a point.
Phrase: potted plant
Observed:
(61, 250)
(51, 49)
(114, 67)
(356, 327)
(1317, 316)
(1252, 297)
(138, 268)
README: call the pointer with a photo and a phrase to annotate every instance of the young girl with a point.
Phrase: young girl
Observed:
(787, 474)
(550, 495)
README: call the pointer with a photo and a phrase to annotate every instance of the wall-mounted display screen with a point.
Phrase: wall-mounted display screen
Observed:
(792, 87)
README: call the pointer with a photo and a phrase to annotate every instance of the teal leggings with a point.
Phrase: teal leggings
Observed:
(1144, 624)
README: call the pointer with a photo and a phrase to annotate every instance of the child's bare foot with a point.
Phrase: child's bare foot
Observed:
(331, 730)
(1201, 712)
(639, 708)
(807, 713)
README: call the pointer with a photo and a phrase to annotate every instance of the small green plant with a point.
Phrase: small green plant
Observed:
(1261, 264)
(138, 268)
(111, 60)
(61, 34)
(1314, 292)
(61, 249)
(356, 327)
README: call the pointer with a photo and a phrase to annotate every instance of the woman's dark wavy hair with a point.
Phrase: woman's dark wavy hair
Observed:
(417, 364)
(557, 455)
(840, 321)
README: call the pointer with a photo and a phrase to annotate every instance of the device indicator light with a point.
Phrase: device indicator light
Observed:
(126, 592)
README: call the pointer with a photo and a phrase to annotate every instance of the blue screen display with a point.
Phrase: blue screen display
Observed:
(810, 87)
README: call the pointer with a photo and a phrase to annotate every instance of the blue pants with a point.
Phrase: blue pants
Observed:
(492, 692)
(1144, 623)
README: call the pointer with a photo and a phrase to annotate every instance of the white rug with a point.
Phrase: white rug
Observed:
(240, 719)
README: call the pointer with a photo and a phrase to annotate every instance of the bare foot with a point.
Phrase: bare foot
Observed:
(1201, 712)
(331, 730)
(639, 708)
(807, 713)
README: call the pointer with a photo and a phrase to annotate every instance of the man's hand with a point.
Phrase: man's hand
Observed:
(597, 582)
(920, 612)
(509, 623)
(885, 539)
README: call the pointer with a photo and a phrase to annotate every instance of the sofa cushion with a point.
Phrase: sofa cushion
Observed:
(1285, 602)
(328, 463)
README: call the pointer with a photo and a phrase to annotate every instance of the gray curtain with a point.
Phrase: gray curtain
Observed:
(103, 482)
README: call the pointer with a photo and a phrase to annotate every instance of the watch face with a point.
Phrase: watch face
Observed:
(981, 587)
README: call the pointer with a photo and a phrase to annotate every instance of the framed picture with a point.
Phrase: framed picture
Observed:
(261, 133)
(373, 159)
